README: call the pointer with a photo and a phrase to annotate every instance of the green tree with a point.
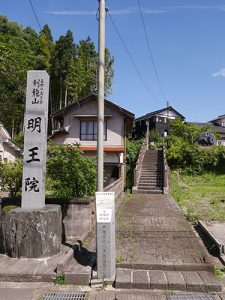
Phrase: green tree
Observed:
(46, 46)
(11, 177)
(63, 56)
(71, 175)
(133, 148)
(184, 152)
(15, 59)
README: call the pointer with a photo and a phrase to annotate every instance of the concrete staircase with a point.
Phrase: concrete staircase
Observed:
(151, 177)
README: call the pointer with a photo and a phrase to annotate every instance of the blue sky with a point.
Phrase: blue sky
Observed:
(187, 39)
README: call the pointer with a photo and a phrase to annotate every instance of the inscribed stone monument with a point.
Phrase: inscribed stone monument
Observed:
(105, 210)
(35, 140)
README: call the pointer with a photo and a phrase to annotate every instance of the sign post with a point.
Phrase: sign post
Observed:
(105, 210)
(35, 140)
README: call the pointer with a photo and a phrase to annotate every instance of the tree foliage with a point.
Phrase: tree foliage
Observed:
(206, 139)
(71, 175)
(72, 68)
(132, 151)
(17, 56)
(185, 153)
(11, 177)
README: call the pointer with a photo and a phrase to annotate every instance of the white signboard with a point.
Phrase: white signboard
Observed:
(104, 215)
(105, 200)
(35, 140)
(105, 210)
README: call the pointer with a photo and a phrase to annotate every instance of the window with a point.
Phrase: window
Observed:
(88, 131)
(223, 124)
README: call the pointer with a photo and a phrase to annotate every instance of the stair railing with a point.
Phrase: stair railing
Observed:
(166, 171)
(137, 170)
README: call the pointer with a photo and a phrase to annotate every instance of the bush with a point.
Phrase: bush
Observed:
(156, 138)
(206, 139)
(184, 152)
(132, 151)
(11, 177)
(70, 174)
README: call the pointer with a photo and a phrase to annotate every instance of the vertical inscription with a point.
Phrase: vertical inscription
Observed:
(35, 140)
(105, 208)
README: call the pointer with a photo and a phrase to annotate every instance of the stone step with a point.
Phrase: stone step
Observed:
(148, 186)
(156, 171)
(154, 183)
(201, 281)
(150, 177)
(150, 166)
(146, 179)
(150, 181)
(151, 170)
(151, 173)
(151, 161)
(139, 191)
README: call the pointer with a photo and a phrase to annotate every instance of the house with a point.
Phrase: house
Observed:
(77, 123)
(157, 121)
(9, 151)
(217, 125)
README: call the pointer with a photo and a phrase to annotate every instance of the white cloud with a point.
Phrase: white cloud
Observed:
(145, 10)
(220, 7)
(220, 73)
(71, 12)
(124, 11)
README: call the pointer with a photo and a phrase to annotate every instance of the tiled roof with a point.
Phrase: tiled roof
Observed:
(158, 112)
(218, 128)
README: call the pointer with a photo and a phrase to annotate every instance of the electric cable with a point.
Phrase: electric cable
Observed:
(150, 51)
(131, 58)
(35, 14)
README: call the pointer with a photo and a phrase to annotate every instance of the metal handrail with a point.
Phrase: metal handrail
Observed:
(137, 170)
(165, 169)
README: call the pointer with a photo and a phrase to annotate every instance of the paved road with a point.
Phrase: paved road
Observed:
(152, 230)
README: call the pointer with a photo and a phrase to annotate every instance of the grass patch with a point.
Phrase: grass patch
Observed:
(200, 196)
(119, 259)
(59, 280)
(8, 208)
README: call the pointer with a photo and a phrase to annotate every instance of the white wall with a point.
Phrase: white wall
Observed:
(115, 126)
(8, 154)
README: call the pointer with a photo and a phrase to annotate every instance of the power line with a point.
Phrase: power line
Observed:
(131, 58)
(35, 14)
(150, 51)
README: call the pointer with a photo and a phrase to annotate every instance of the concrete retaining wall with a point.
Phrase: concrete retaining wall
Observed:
(78, 215)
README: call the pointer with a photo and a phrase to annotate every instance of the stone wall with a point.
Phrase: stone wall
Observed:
(78, 215)
(79, 219)
(31, 233)
(116, 186)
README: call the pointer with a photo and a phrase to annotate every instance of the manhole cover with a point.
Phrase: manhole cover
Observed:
(64, 296)
(191, 297)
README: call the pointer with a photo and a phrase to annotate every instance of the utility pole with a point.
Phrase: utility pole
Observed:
(167, 112)
(101, 94)
(105, 201)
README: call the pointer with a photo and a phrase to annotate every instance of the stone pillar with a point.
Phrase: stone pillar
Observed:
(105, 210)
(35, 140)
(31, 233)
(35, 230)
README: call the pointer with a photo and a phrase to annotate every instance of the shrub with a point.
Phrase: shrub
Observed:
(70, 174)
(206, 139)
(11, 177)
(184, 152)
(156, 138)
(132, 151)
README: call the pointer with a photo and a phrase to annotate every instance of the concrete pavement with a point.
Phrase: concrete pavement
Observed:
(158, 248)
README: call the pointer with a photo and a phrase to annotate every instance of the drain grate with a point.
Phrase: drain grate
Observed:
(191, 296)
(64, 296)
